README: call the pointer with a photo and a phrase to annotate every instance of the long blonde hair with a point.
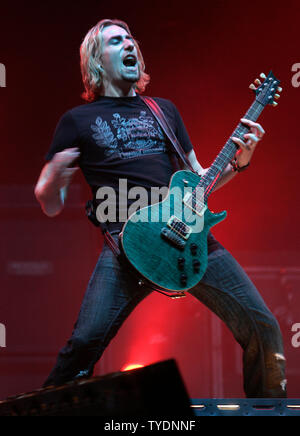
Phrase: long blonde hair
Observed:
(90, 52)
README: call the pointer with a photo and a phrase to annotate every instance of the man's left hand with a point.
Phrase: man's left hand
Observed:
(248, 146)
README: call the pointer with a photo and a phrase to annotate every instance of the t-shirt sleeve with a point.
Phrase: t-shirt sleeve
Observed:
(181, 132)
(65, 136)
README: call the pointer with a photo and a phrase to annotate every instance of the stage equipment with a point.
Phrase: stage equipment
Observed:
(155, 390)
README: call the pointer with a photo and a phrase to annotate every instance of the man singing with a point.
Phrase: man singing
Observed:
(115, 136)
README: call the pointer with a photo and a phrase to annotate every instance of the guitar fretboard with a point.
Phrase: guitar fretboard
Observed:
(228, 151)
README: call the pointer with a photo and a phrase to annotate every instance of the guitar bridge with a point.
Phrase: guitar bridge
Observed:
(173, 238)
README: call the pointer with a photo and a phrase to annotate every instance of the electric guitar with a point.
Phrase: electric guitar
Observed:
(167, 242)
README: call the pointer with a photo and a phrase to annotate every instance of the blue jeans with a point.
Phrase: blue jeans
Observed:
(113, 293)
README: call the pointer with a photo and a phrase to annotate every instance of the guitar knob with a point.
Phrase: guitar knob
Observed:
(194, 248)
(181, 263)
(183, 279)
(196, 265)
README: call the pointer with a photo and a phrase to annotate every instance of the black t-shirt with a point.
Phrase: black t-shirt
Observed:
(118, 139)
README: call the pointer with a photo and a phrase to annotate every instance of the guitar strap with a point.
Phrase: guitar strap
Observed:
(161, 119)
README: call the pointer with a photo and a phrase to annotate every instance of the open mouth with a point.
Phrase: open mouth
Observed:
(130, 61)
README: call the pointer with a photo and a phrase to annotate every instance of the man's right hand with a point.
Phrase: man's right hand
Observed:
(55, 179)
(59, 167)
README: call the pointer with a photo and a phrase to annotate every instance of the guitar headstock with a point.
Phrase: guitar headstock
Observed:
(267, 91)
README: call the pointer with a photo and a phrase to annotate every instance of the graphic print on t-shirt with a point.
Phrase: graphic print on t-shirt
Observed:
(133, 136)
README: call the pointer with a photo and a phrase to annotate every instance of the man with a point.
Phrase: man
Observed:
(115, 136)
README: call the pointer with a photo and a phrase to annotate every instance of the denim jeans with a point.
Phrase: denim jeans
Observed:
(113, 293)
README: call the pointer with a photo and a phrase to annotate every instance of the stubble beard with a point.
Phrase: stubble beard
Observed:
(131, 77)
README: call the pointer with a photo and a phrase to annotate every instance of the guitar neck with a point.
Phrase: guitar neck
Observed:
(229, 150)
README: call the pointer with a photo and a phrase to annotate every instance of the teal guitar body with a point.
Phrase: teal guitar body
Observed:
(167, 242)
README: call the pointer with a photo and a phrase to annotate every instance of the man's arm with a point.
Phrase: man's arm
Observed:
(195, 163)
(227, 175)
(243, 155)
(51, 188)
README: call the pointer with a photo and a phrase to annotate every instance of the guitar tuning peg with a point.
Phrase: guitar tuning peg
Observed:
(252, 86)
(277, 96)
(274, 104)
(262, 76)
(257, 82)
(279, 89)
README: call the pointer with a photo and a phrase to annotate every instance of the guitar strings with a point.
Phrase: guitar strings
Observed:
(252, 114)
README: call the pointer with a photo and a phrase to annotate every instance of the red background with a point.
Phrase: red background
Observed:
(202, 56)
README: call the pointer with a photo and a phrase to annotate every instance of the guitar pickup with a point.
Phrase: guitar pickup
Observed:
(199, 207)
(179, 227)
